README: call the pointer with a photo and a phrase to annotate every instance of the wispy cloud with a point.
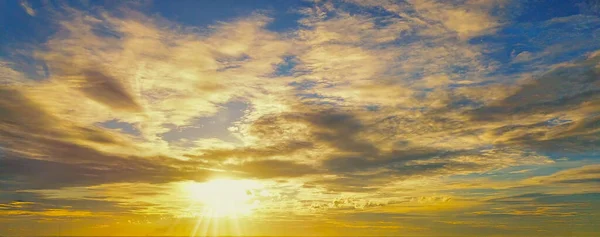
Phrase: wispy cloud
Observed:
(27, 7)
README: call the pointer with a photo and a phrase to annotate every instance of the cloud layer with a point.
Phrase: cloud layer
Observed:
(363, 115)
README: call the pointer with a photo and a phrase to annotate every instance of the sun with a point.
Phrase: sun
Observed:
(223, 197)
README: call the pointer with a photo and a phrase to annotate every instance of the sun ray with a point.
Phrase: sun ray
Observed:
(222, 203)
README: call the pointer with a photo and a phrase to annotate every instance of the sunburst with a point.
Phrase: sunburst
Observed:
(223, 197)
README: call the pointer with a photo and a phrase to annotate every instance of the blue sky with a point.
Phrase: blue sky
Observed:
(324, 117)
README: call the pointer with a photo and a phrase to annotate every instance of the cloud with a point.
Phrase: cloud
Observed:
(367, 174)
(539, 204)
(469, 19)
(282, 149)
(23, 173)
(351, 140)
(274, 169)
(589, 6)
(566, 93)
(589, 174)
(42, 150)
(27, 7)
(108, 91)
(45, 208)
(168, 76)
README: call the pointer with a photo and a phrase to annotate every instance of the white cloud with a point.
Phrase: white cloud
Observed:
(27, 7)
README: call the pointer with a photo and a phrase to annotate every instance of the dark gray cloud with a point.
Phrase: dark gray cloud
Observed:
(561, 89)
(359, 163)
(249, 152)
(21, 118)
(19, 113)
(355, 182)
(37, 152)
(108, 90)
(341, 130)
(338, 129)
(362, 178)
(25, 173)
(392, 160)
(274, 169)
(570, 93)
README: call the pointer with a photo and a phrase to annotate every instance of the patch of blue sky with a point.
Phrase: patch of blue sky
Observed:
(286, 68)
(557, 122)
(458, 69)
(379, 13)
(561, 163)
(204, 13)
(106, 32)
(312, 96)
(465, 103)
(381, 19)
(522, 47)
(18, 27)
(372, 108)
(20, 31)
(123, 127)
(571, 158)
(559, 166)
(303, 85)
(520, 172)
(286, 18)
(215, 126)
(408, 38)
(543, 10)
(411, 108)
(569, 198)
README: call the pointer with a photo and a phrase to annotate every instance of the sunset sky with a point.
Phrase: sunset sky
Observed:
(300, 118)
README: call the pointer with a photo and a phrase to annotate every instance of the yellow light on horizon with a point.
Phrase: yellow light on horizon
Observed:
(223, 197)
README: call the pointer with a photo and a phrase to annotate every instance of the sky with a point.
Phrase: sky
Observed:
(300, 118)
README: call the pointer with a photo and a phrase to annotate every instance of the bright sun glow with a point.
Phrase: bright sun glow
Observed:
(223, 197)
